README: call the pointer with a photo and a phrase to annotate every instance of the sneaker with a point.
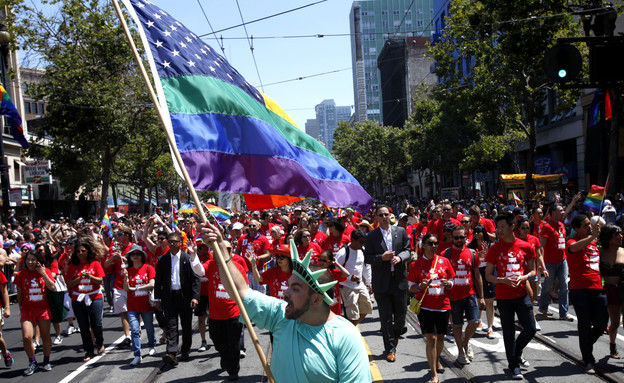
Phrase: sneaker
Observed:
(480, 326)
(124, 343)
(490, 334)
(462, 359)
(36, 346)
(537, 326)
(70, 330)
(469, 352)
(567, 317)
(111, 310)
(590, 368)
(517, 374)
(152, 351)
(45, 367)
(524, 363)
(203, 346)
(8, 359)
(242, 354)
(58, 339)
(545, 312)
(136, 361)
(32, 367)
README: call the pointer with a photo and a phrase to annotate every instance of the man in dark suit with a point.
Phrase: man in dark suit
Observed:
(176, 291)
(386, 250)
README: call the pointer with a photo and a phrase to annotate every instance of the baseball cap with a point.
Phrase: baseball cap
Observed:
(237, 226)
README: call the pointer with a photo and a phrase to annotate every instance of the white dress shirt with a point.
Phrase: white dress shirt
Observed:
(387, 236)
(175, 271)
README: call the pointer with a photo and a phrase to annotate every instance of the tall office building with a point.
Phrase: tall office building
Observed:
(312, 128)
(372, 23)
(327, 117)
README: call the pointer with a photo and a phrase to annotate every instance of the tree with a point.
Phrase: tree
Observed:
(97, 102)
(490, 63)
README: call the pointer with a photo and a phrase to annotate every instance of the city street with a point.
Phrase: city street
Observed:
(547, 364)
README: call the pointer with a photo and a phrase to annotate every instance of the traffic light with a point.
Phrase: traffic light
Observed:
(562, 63)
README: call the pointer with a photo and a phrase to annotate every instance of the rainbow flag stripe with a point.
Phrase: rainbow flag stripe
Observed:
(593, 201)
(220, 214)
(232, 137)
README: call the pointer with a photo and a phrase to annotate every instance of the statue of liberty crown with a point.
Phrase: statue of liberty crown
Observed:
(301, 268)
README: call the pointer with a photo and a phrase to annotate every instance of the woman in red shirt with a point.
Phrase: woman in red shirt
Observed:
(32, 284)
(138, 282)
(432, 275)
(338, 272)
(303, 240)
(84, 275)
(277, 276)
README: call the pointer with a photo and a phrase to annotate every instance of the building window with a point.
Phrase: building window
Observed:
(419, 23)
(41, 109)
(384, 24)
(395, 12)
(16, 171)
(25, 88)
(375, 87)
(408, 23)
(397, 23)
(372, 50)
(27, 107)
(384, 12)
(34, 108)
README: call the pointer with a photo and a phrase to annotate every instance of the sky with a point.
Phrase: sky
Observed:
(280, 59)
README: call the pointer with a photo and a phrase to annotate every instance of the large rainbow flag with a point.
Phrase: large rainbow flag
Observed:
(593, 201)
(232, 137)
(7, 108)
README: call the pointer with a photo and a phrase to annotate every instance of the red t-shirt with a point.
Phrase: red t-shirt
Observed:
(54, 267)
(277, 281)
(438, 228)
(442, 246)
(333, 244)
(416, 232)
(554, 251)
(34, 292)
(85, 286)
(337, 275)
(510, 259)
(257, 246)
(584, 266)
(348, 230)
(266, 231)
(319, 238)
(111, 268)
(432, 227)
(463, 284)
(437, 298)
(3, 281)
(63, 259)
(316, 251)
(119, 279)
(152, 258)
(221, 306)
(138, 301)
(487, 223)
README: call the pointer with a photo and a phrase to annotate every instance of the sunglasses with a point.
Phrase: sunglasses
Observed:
(457, 237)
(306, 236)
(446, 209)
(173, 242)
(80, 251)
(162, 239)
(251, 225)
(383, 214)
(323, 260)
(432, 243)
(465, 221)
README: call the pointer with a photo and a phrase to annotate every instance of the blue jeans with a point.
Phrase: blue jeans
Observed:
(90, 318)
(135, 330)
(556, 271)
(590, 306)
(508, 308)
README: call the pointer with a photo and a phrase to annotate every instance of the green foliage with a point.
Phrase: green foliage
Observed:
(371, 153)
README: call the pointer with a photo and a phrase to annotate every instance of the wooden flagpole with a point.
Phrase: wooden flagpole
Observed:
(187, 179)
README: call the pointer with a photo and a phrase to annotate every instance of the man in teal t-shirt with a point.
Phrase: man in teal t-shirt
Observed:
(310, 343)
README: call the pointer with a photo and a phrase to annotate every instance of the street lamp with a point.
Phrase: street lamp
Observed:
(5, 38)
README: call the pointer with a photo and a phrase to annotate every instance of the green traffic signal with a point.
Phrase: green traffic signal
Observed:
(562, 63)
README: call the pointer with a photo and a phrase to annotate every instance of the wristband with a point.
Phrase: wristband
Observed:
(228, 260)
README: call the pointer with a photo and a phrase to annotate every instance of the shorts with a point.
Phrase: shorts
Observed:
(35, 315)
(356, 301)
(120, 301)
(613, 294)
(433, 322)
(201, 310)
(467, 307)
(489, 288)
(534, 279)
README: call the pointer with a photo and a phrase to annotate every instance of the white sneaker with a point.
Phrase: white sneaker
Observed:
(203, 347)
(537, 326)
(58, 339)
(524, 363)
(242, 354)
(469, 352)
(517, 374)
(462, 359)
(70, 330)
(152, 351)
(136, 361)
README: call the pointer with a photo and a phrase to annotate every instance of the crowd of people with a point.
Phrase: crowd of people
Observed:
(304, 266)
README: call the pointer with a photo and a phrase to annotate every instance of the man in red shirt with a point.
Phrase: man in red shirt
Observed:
(266, 225)
(254, 242)
(416, 232)
(446, 219)
(514, 262)
(488, 224)
(467, 293)
(553, 237)
(586, 294)
(434, 216)
(317, 236)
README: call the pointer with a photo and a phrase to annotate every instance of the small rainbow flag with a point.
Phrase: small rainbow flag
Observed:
(106, 224)
(7, 108)
(517, 199)
(174, 218)
(220, 214)
(593, 201)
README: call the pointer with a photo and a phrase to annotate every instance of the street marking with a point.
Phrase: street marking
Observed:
(80, 369)
(375, 373)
